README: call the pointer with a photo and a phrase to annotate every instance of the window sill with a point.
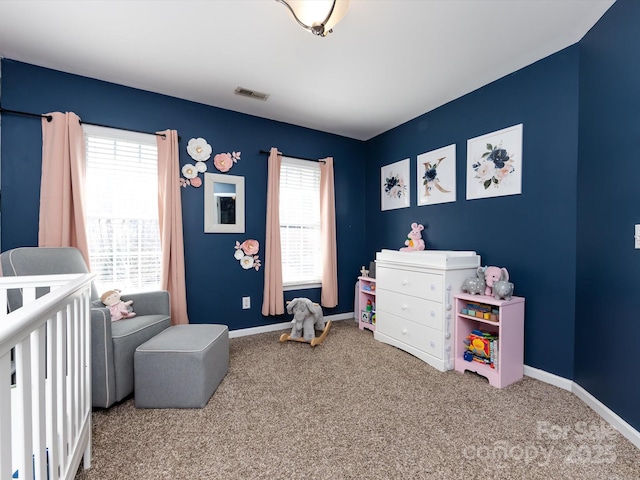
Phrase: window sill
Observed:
(301, 286)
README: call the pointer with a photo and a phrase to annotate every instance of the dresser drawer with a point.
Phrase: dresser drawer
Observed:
(418, 310)
(418, 284)
(410, 333)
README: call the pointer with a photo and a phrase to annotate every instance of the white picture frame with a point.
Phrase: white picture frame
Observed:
(494, 164)
(436, 176)
(394, 185)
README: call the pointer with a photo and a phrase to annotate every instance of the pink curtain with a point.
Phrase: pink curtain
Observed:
(273, 298)
(329, 293)
(62, 198)
(170, 217)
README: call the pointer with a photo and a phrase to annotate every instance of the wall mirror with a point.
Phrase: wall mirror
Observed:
(223, 203)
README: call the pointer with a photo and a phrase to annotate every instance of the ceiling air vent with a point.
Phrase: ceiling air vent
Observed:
(245, 92)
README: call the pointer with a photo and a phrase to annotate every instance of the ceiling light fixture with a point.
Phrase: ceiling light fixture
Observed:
(317, 16)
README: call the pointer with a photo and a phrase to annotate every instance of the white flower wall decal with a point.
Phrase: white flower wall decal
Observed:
(199, 149)
(189, 171)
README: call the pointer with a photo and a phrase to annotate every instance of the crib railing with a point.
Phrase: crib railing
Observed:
(45, 377)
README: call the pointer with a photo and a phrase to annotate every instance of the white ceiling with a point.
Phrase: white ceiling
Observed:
(386, 62)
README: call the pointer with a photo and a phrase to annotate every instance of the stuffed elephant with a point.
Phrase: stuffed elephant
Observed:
(307, 318)
(503, 290)
(492, 275)
(475, 285)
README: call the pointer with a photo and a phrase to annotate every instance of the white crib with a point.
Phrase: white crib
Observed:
(45, 378)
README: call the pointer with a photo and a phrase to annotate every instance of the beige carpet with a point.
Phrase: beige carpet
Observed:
(354, 408)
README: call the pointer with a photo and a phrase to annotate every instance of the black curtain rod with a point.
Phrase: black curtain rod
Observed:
(266, 152)
(49, 118)
(27, 114)
(127, 129)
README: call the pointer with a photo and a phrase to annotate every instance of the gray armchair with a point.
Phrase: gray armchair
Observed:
(112, 343)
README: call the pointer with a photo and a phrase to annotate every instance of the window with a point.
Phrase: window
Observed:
(122, 209)
(300, 223)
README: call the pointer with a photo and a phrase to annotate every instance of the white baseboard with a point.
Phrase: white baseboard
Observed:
(592, 402)
(607, 414)
(549, 378)
(282, 326)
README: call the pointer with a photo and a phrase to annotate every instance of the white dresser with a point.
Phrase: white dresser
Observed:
(414, 301)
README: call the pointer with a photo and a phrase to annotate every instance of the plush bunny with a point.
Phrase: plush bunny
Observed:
(307, 318)
(117, 308)
(414, 239)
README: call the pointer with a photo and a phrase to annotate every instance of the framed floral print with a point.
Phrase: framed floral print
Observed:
(436, 176)
(394, 190)
(494, 164)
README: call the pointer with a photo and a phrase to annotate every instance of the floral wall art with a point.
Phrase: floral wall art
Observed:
(436, 176)
(224, 161)
(247, 254)
(200, 151)
(494, 164)
(394, 190)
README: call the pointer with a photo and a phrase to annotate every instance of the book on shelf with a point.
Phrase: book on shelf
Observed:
(482, 347)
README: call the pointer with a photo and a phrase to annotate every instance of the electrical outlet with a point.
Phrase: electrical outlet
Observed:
(246, 303)
(637, 236)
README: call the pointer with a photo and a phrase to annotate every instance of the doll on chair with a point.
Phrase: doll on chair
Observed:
(118, 308)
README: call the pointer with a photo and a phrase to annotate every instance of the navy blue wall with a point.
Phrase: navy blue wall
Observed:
(608, 272)
(567, 240)
(532, 234)
(215, 280)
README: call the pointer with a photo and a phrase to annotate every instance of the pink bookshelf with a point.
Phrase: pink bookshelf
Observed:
(366, 294)
(508, 325)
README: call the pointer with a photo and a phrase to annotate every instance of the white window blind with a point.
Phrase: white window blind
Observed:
(300, 222)
(122, 209)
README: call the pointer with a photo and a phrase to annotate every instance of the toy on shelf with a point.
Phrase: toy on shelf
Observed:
(307, 318)
(480, 310)
(503, 290)
(493, 275)
(364, 272)
(414, 241)
(368, 317)
(475, 285)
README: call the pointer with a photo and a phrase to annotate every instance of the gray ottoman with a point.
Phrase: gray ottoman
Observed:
(181, 367)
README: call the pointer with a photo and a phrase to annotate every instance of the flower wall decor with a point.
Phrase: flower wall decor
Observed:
(494, 164)
(394, 189)
(224, 161)
(436, 178)
(199, 150)
(247, 254)
(190, 174)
